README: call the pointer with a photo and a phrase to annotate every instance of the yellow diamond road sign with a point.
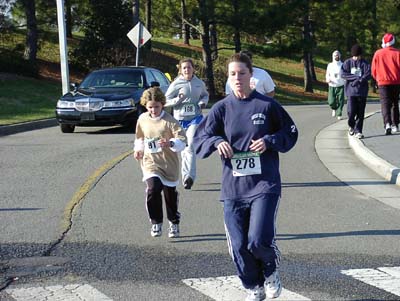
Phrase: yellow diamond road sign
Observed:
(139, 35)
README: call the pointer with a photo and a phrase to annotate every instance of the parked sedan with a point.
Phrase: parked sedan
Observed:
(108, 97)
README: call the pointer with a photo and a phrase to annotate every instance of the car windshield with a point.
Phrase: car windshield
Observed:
(113, 79)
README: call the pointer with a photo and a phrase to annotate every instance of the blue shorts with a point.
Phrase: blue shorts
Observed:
(186, 123)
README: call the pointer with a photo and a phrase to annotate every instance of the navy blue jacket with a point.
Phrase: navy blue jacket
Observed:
(356, 73)
(238, 122)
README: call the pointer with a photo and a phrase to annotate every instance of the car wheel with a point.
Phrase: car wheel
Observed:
(67, 128)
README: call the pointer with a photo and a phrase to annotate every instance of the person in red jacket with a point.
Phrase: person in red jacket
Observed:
(385, 69)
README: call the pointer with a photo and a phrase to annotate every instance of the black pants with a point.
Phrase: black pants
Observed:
(154, 201)
(355, 112)
(390, 104)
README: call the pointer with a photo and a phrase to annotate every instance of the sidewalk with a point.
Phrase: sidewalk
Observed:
(385, 147)
(368, 165)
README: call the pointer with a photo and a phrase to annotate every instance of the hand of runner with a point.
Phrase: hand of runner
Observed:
(224, 149)
(164, 143)
(138, 155)
(258, 145)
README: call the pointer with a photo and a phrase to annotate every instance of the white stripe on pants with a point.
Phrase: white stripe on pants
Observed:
(188, 155)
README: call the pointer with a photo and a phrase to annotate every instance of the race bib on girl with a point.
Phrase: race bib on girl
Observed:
(151, 146)
(188, 110)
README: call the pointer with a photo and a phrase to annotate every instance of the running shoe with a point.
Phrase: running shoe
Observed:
(388, 129)
(173, 230)
(359, 135)
(156, 230)
(351, 132)
(273, 286)
(256, 294)
(188, 183)
(333, 113)
(394, 129)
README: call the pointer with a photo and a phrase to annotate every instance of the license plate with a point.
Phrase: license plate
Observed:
(87, 116)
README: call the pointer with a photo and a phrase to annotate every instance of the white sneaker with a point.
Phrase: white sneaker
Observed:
(339, 118)
(156, 230)
(333, 113)
(256, 294)
(394, 129)
(173, 230)
(388, 129)
(359, 135)
(273, 285)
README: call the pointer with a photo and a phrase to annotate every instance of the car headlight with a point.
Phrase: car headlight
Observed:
(120, 103)
(63, 104)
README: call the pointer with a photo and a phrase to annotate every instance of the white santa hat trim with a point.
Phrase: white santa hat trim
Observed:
(387, 40)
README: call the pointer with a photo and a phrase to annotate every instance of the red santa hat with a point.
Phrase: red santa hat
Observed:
(387, 40)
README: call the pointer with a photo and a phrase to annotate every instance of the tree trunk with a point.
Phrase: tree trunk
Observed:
(307, 45)
(312, 69)
(374, 33)
(185, 26)
(148, 22)
(308, 87)
(68, 18)
(213, 41)
(205, 38)
(236, 25)
(32, 33)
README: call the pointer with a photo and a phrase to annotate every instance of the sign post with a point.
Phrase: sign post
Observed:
(138, 35)
(62, 37)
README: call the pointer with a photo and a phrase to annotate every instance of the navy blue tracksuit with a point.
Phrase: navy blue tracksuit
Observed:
(356, 73)
(251, 185)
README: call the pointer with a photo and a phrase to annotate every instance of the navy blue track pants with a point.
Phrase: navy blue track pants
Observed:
(250, 229)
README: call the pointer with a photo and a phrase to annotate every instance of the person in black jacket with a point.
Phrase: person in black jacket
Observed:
(356, 71)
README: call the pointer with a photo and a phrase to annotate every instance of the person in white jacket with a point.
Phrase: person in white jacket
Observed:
(187, 95)
(336, 85)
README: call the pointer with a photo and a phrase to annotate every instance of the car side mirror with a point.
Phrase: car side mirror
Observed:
(74, 86)
(154, 84)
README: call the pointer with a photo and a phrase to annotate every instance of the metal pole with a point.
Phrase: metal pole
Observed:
(62, 37)
(139, 37)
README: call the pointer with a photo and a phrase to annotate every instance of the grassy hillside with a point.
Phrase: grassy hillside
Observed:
(24, 98)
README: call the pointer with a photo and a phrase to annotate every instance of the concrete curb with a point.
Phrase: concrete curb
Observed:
(26, 126)
(351, 162)
(382, 167)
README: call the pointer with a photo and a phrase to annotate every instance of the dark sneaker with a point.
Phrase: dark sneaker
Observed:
(188, 183)
(351, 131)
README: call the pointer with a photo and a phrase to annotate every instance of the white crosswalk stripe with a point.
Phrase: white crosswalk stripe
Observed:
(72, 292)
(229, 288)
(385, 278)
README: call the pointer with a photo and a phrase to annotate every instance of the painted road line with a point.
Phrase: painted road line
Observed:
(87, 186)
(72, 292)
(229, 288)
(385, 278)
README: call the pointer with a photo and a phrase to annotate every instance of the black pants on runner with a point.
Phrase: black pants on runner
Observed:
(355, 112)
(389, 96)
(154, 201)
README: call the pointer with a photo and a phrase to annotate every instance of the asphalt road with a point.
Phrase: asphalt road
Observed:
(72, 211)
